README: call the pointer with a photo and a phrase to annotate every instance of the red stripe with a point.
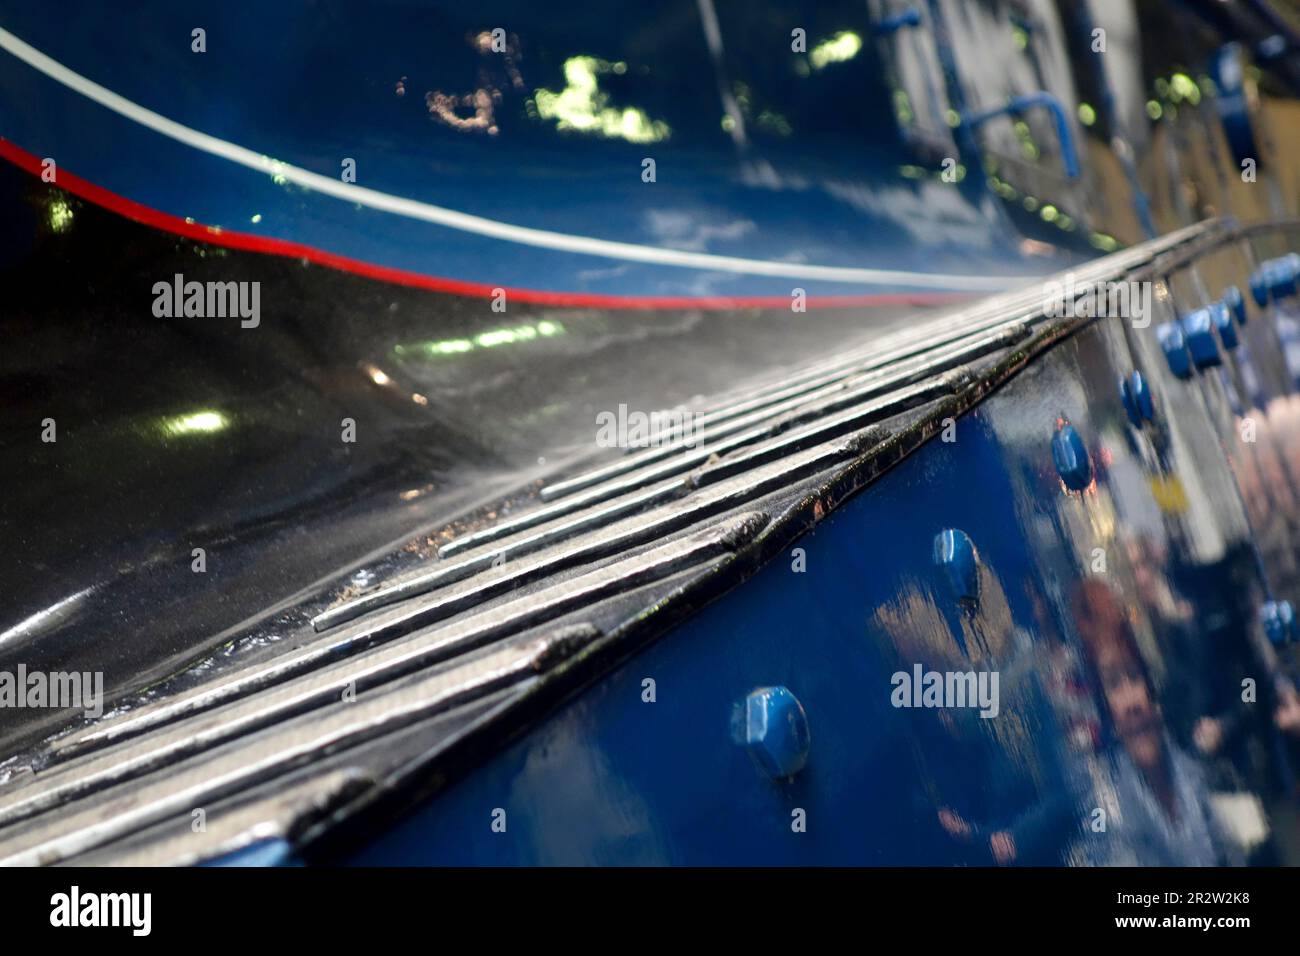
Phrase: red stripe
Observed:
(217, 236)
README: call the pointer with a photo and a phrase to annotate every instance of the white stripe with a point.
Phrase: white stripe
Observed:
(465, 222)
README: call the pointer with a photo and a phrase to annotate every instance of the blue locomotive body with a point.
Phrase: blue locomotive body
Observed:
(703, 434)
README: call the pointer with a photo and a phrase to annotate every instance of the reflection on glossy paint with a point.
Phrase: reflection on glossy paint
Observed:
(443, 347)
(903, 107)
(1004, 189)
(772, 122)
(1169, 495)
(60, 215)
(843, 46)
(956, 173)
(1048, 212)
(1183, 87)
(544, 328)
(195, 423)
(56, 613)
(584, 107)
(490, 92)
(1028, 148)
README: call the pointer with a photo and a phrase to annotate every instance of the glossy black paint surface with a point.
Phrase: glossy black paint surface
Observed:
(183, 433)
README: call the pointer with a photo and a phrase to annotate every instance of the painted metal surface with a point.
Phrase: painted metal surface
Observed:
(1064, 517)
(772, 726)
(612, 778)
(258, 714)
(575, 107)
(519, 164)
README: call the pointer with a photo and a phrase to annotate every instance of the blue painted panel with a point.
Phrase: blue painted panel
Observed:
(1148, 569)
(274, 852)
(614, 780)
(312, 86)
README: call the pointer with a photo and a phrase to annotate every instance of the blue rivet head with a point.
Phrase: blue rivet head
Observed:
(771, 724)
(1278, 619)
(1221, 319)
(1236, 303)
(1135, 393)
(1288, 274)
(1174, 344)
(1275, 279)
(911, 17)
(1198, 332)
(1071, 457)
(1283, 276)
(955, 556)
(1259, 282)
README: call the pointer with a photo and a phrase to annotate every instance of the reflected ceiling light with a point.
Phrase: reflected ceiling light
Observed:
(195, 423)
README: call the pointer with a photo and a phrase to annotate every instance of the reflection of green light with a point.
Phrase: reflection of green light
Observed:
(444, 347)
(1004, 189)
(1103, 242)
(911, 172)
(1153, 109)
(839, 48)
(902, 106)
(60, 215)
(484, 340)
(1020, 36)
(524, 333)
(1030, 203)
(195, 423)
(773, 122)
(1087, 115)
(257, 218)
(1048, 213)
(1028, 148)
(1183, 87)
(583, 106)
